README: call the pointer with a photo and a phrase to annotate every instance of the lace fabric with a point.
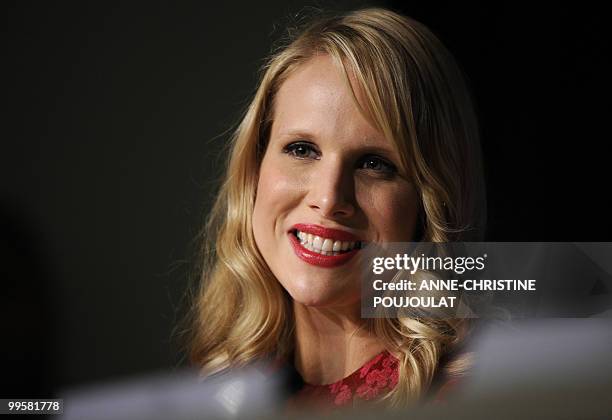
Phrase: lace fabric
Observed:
(370, 382)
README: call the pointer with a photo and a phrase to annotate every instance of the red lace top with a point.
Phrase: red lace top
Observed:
(370, 382)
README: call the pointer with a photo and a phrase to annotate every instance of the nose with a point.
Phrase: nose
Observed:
(332, 190)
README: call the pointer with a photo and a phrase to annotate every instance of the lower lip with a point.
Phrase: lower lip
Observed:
(317, 259)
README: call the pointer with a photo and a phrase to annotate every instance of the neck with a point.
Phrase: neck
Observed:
(331, 344)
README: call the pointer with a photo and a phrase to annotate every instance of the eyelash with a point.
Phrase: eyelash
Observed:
(389, 169)
(291, 148)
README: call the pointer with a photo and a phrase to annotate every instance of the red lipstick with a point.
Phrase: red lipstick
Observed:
(320, 260)
(335, 234)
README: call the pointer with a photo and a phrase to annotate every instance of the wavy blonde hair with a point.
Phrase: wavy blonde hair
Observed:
(416, 96)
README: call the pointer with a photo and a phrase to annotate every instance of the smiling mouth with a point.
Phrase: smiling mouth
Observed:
(325, 246)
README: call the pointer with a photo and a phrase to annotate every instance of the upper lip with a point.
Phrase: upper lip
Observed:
(325, 232)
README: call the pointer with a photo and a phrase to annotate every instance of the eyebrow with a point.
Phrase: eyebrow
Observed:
(297, 133)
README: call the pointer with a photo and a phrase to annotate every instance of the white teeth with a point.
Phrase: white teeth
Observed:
(324, 246)
(328, 244)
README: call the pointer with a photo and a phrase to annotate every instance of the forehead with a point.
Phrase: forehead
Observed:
(317, 98)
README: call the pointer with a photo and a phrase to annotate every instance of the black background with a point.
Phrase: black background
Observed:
(113, 122)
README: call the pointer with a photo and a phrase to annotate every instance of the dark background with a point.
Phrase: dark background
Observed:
(113, 121)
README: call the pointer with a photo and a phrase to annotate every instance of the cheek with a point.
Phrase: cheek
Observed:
(392, 212)
(278, 192)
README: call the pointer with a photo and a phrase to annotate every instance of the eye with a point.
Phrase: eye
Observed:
(378, 164)
(301, 150)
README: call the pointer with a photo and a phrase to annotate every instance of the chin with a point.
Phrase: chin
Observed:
(310, 294)
(313, 301)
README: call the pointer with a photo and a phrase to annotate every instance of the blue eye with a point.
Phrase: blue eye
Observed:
(378, 164)
(301, 150)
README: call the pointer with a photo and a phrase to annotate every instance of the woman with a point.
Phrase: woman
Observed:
(361, 130)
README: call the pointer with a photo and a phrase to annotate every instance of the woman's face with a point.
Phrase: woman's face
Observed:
(328, 180)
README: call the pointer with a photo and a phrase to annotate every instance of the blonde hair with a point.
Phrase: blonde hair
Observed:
(416, 96)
